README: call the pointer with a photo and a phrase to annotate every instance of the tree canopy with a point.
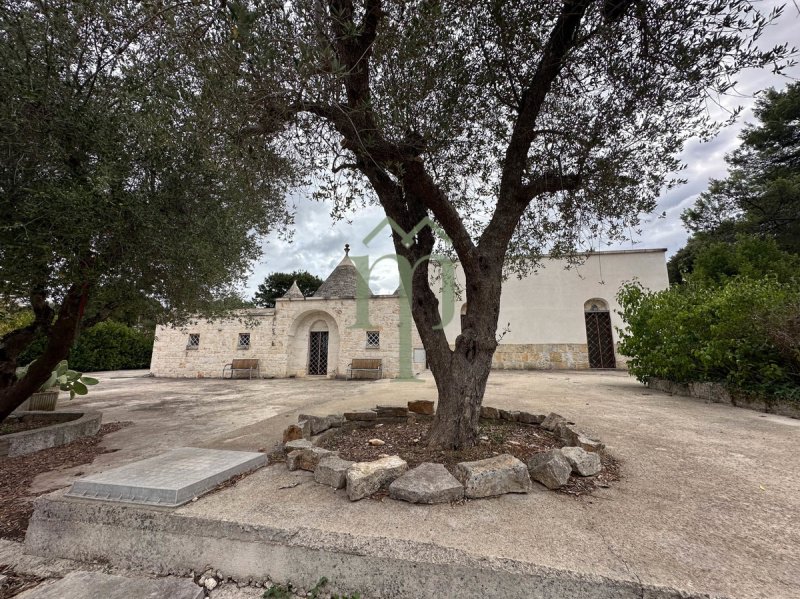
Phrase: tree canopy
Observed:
(761, 194)
(278, 283)
(121, 179)
(519, 128)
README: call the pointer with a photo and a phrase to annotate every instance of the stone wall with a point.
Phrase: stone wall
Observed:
(546, 356)
(279, 339)
(718, 393)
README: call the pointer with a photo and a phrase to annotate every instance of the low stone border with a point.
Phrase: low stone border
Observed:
(74, 426)
(717, 393)
(431, 483)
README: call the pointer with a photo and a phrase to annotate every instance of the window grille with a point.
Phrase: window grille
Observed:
(194, 341)
(244, 341)
(373, 339)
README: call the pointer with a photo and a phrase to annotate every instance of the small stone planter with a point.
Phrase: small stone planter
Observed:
(72, 426)
(44, 401)
(431, 483)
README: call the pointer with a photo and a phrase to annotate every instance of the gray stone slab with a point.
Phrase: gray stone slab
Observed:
(85, 585)
(170, 479)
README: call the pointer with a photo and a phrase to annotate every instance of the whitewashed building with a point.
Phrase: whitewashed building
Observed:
(557, 318)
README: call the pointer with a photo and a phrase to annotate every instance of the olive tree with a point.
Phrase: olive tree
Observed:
(121, 180)
(520, 128)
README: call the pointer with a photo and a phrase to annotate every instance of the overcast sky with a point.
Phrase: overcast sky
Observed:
(318, 241)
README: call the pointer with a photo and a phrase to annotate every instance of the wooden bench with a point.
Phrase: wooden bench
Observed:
(374, 365)
(249, 364)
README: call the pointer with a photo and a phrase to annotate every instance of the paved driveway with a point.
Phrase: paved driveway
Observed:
(710, 499)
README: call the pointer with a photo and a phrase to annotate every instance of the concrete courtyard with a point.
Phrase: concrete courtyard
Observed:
(708, 503)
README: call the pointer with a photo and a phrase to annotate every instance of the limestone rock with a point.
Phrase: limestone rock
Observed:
(332, 471)
(361, 416)
(510, 415)
(305, 426)
(365, 478)
(421, 406)
(318, 424)
(550, 468)
(322, 437)
(527, 418)
(292, 433)
(335, 420)
(552, 421)
(307, 458)
(296, 444)
(376, 442)
(391, 411)
(493, 476)
(427, 483)
(566, 432)
(490, 413)
(582, 462)
(591, 445)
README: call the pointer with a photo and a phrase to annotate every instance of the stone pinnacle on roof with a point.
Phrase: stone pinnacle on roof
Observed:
(344, 280)
(294, 292)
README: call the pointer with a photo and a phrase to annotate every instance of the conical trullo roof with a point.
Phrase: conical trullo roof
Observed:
(343, 281)
(294, 292)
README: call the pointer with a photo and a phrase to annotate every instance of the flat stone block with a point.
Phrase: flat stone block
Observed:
(528, 418)
(83, 585)
(332, 471)
(365, 478)
(493, 476)
(170, 479)
(391, 411)
(421, 406)
(291, 446)
(360, 416)
(307, 458)
(427, 483)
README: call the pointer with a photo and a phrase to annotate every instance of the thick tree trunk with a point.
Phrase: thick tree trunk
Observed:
(461, 388)
(60, 339)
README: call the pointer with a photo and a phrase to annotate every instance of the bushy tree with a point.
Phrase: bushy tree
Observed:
(748, 256)
(519, 128)
(121, 179)
(760, 197)
(278, 283)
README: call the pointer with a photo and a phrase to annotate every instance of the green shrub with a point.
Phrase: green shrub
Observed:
(109, 345)
(744, 333)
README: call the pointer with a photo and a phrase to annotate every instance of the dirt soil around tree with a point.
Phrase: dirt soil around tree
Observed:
(17, 474)
(496, 437)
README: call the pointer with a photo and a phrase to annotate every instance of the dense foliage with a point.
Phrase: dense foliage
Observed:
(278, 283)
(760, 197)
(108, 345)
(744, 333)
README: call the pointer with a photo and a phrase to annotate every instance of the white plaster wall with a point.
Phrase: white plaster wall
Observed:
(547, 307)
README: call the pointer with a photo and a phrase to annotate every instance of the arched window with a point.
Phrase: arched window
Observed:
(599, 336)
(463, 316)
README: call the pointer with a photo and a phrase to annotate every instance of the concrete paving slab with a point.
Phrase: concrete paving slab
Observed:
(96, 585)
(170, 479)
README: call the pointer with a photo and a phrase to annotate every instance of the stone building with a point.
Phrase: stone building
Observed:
(557, 318)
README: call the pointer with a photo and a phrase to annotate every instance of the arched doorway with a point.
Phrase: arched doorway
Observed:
(599, 336)
(318, 349)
